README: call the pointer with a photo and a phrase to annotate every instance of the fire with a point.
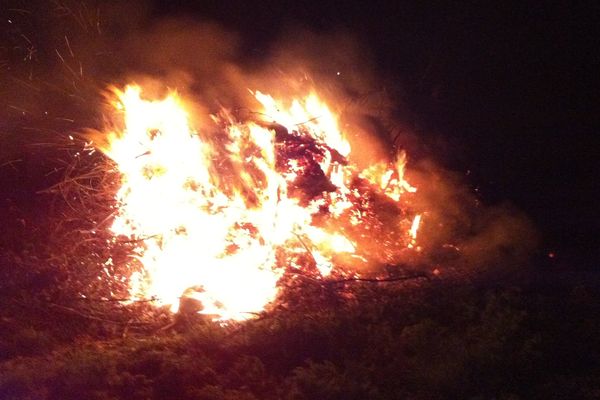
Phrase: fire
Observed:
(414, 229)
(225, 211)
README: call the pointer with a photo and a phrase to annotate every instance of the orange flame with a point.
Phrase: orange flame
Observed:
(215, 213)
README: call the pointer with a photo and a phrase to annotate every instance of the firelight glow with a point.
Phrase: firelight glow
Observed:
(226, 216)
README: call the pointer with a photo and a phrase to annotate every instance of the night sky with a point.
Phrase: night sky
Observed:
(509, 92)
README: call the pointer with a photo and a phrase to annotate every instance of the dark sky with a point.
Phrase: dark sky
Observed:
(514, 85)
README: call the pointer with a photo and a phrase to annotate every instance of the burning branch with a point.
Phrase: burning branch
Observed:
(236, 210)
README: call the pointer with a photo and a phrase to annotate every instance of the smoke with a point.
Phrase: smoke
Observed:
(461, 230)
(64, 55)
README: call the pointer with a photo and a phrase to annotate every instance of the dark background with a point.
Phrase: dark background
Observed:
(513, 86)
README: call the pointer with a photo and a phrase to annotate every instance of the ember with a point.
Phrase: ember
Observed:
(228, 209)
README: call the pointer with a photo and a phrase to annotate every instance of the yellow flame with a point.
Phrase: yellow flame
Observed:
(414, 229)
(312, 114)
(211, 218)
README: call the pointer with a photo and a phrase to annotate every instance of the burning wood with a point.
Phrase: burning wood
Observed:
(235, 210)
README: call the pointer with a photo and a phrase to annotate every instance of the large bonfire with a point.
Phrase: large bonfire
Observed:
(222, 212)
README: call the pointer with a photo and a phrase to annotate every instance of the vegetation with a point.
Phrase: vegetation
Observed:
(413, 340)
(446, 337)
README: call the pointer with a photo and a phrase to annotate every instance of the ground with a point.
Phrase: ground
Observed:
(426, 340)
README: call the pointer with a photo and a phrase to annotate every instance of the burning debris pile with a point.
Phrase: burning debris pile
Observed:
(218, 195)
(222, 212)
